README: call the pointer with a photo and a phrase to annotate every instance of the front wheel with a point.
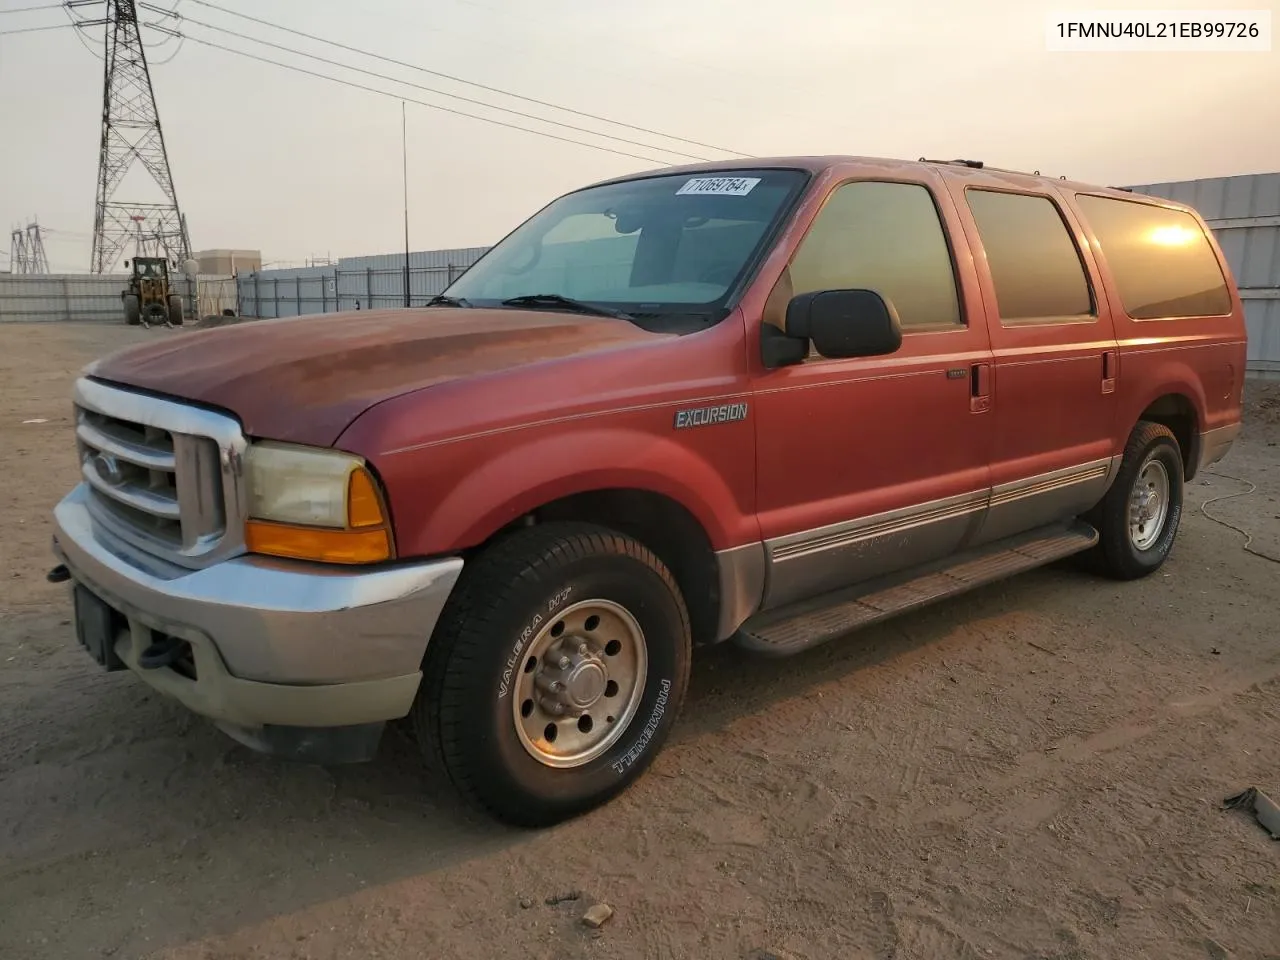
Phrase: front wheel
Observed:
(555, 673)
(132, 309)
(175, 310)
(1138, 518)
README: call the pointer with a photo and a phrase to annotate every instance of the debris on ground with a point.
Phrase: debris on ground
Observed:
(556, 898)
(1260, 805)
(597, 915)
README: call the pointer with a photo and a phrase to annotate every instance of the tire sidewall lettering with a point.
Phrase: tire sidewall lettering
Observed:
(628, 759)
(525, 637)
(638, 590)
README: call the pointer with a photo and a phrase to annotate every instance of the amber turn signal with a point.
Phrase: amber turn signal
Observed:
(317, 543)
(364, 506)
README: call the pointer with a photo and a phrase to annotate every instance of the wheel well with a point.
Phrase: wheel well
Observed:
(665, 527)
(1176, 412)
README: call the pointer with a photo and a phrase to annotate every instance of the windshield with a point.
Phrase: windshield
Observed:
(661, 245)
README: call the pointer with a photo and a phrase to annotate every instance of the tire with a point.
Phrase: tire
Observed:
(1152, 459)
(175, 310)
(515, 600)
(132, 309)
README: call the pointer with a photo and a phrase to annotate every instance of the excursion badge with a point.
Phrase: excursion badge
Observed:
(707, 416)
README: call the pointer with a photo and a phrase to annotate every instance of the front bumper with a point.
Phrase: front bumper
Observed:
(274, 643)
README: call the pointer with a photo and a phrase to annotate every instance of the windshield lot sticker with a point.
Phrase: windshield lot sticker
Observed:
(706, 416)
(720, 186)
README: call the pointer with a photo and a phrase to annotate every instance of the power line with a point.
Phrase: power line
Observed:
(470, 83)
(81, 23)
(418, 86)
(52, 26)
(176, 50)
(424, 103)
(43, 6)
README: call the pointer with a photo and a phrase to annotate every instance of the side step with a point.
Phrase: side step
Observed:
(798, 627)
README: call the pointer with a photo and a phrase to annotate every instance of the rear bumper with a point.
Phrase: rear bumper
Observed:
(274, 644)
(1216, 443)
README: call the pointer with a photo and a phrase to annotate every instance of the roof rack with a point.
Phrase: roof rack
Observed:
(972, 164)
(979, 165)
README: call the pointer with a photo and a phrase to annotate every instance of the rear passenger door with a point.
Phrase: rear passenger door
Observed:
(875, 464)
(1054, 357)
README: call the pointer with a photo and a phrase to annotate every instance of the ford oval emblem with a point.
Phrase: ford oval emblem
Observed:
(108, 469)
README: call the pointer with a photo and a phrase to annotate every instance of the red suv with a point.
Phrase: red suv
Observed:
(767, 401)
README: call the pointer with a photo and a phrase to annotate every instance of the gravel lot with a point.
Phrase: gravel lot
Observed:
(1035, 770)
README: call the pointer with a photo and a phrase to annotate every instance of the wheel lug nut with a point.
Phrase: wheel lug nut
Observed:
(563, 663)
(583, 648)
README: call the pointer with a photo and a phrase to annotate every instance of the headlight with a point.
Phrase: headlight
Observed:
(313, 504)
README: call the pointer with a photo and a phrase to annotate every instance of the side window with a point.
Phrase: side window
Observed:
(1162, 262)
(885, 237)
(1034, 263)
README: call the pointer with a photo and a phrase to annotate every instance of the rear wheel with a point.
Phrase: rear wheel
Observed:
(175, 310)
(556, 671)
(132, 309)
(1139, 517)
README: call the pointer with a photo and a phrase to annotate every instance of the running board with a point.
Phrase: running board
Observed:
(799, 626)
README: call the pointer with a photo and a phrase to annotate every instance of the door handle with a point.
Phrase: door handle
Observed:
(980, 388)
(1108, 371)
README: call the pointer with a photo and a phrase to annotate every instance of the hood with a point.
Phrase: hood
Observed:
(305, 379)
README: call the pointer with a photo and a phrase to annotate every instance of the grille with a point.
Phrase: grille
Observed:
(160, 475)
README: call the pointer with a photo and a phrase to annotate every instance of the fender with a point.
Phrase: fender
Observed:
(1161, 375)
(538, 470)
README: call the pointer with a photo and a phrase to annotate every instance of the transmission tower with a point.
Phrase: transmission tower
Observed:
(26, 250)
(130, 133)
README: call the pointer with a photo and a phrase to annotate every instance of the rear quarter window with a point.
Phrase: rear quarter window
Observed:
(1162, 262)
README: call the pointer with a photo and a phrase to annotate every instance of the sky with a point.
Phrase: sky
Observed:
(299, 167)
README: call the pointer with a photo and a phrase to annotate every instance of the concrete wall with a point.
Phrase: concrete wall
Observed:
(227, 262)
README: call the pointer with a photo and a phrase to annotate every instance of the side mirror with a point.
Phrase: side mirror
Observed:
(845, 323)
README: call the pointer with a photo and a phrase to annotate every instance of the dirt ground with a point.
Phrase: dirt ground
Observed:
(1033, 771)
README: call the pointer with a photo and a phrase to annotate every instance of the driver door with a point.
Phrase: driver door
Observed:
(871, 465)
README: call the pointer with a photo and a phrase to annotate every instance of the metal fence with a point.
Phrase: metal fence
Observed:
(26, 298)
(330, 289)
(364, 282)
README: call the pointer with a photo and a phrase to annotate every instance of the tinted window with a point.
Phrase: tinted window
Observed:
(1160, 258)
(1034, 263)
(665, 244)
(884, 237)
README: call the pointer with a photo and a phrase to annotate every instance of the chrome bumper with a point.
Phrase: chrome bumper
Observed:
(274, 642)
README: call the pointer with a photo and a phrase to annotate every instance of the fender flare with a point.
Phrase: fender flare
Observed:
(548, 469)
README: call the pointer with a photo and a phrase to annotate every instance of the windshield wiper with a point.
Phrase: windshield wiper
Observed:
(441, 300)
(564, 303)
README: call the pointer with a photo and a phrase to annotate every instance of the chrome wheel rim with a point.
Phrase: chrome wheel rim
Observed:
(580, 684)
(1148, 505)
